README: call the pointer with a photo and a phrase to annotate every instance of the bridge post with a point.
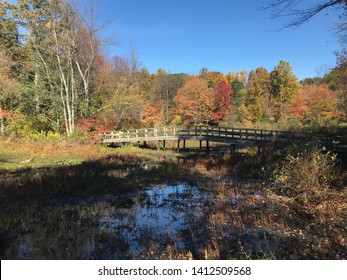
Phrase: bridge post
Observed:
(184, 144)
(200, 145)
(208, 147)
(233, 149)
(164, 144)
(178, 145)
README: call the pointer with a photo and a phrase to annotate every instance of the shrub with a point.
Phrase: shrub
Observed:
(78, 136)
(306, 175)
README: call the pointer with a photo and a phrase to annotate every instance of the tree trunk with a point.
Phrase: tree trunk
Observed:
(36, 82)
(85, 80)
(2, 125)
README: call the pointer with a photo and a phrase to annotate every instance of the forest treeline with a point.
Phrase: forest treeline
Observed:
(55, 79)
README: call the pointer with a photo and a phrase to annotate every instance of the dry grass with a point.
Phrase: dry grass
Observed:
(249, 221)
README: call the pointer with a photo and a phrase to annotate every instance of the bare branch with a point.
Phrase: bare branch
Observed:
(300, 15)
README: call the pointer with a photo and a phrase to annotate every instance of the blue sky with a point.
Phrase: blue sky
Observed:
(221, 35)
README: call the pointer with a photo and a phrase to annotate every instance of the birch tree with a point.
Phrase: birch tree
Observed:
(64, 51)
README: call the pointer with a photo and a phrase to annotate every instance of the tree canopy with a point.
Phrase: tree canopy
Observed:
(54, 78)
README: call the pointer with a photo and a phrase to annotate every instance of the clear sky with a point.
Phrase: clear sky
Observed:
(221, 35)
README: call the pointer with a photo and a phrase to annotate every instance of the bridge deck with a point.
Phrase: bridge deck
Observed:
(202, 133)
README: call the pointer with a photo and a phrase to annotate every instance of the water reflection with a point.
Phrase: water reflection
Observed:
(147, 224)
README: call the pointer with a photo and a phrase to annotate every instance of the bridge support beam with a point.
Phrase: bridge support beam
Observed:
(164, 142)
(200, 145)
(178, 145)
(208, 147)
(233, 149)
(184, 144)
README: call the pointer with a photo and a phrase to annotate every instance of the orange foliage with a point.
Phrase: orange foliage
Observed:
(3, 113)
(94, 125)
(195, 101)
(315, 104)
(152, 113)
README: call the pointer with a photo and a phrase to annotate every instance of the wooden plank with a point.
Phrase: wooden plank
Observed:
(215, 134)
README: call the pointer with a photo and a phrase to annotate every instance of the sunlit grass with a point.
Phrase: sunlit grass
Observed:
(16, 155)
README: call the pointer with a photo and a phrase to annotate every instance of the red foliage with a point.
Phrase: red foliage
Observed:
(223, 106)
(94, 125)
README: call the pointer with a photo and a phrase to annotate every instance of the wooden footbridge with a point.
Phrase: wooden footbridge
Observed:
(233, 136)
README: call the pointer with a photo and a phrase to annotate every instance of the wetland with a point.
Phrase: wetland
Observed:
(131, 203)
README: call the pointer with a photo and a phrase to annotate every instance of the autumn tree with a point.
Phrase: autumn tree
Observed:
(62, 49)
(257, 99)
(120, 95)
(315, 105)
(11, 61)
(195, 102)
(213, 77)
(337, 79)
(284, 85)
(161, 93)
(5, 84)
(151, 115)
(222, 104)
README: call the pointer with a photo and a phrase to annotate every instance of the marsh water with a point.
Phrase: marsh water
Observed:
(152, 223)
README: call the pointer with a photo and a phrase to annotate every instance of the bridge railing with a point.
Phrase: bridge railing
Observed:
(142, 133)
(217, 133)
(237, 133)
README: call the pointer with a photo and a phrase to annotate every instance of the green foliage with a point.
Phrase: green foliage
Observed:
(78, 136)
(23, 129)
